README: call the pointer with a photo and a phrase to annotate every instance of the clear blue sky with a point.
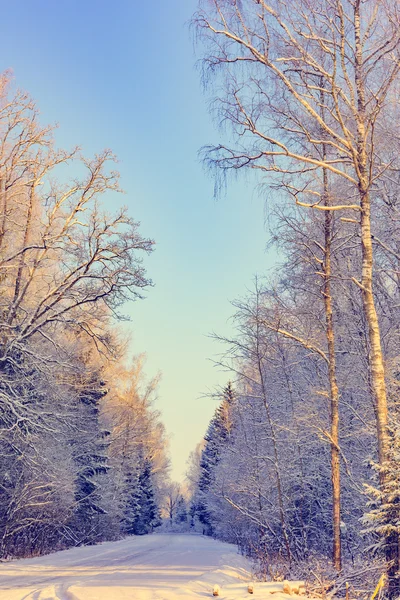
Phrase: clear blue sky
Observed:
(122, 75)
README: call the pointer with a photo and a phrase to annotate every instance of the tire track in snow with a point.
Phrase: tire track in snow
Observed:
(90, 562)
(53, 592)
(159, 567)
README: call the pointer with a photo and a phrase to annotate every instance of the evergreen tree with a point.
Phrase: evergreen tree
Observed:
(217, 436)
(181, 511)
(383, 517)
(148, 516)
(130, 503)
(90, 457)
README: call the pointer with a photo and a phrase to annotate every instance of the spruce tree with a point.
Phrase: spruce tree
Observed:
(181, 511)
(217, 437)
(130, 503)
(148, 516)
(89, 454)
(383, 517)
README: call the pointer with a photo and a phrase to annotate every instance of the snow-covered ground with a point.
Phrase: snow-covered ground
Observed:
(155, 567)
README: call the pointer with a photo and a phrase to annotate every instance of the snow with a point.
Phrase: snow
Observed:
(154, 567)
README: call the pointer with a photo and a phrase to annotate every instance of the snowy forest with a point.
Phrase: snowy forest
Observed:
(83, 450)
(301, 460)
(300, 465)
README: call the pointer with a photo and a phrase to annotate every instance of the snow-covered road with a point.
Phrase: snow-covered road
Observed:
(156, 567)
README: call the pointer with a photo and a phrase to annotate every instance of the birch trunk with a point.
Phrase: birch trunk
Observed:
(330, 338)
(376, 360)
(376, 356)
(333, 391)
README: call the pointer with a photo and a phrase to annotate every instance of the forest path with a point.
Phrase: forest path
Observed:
(154, 567)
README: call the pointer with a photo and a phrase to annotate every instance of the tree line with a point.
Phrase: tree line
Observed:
(83, 451)
(309, 93)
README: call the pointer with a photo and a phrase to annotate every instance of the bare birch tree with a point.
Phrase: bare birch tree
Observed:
(299, 77)
(66, 267)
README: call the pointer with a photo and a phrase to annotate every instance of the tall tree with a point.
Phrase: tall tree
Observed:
(66, 268)
(218, 434)
(89, 453)
(276, 59)
(148, 515)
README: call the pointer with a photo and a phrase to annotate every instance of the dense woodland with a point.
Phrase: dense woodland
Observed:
(300, 462)
(83, 451)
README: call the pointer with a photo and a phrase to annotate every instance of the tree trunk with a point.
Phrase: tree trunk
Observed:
(334, 396)
(376, 361)
(376, 356)
(330, 338)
